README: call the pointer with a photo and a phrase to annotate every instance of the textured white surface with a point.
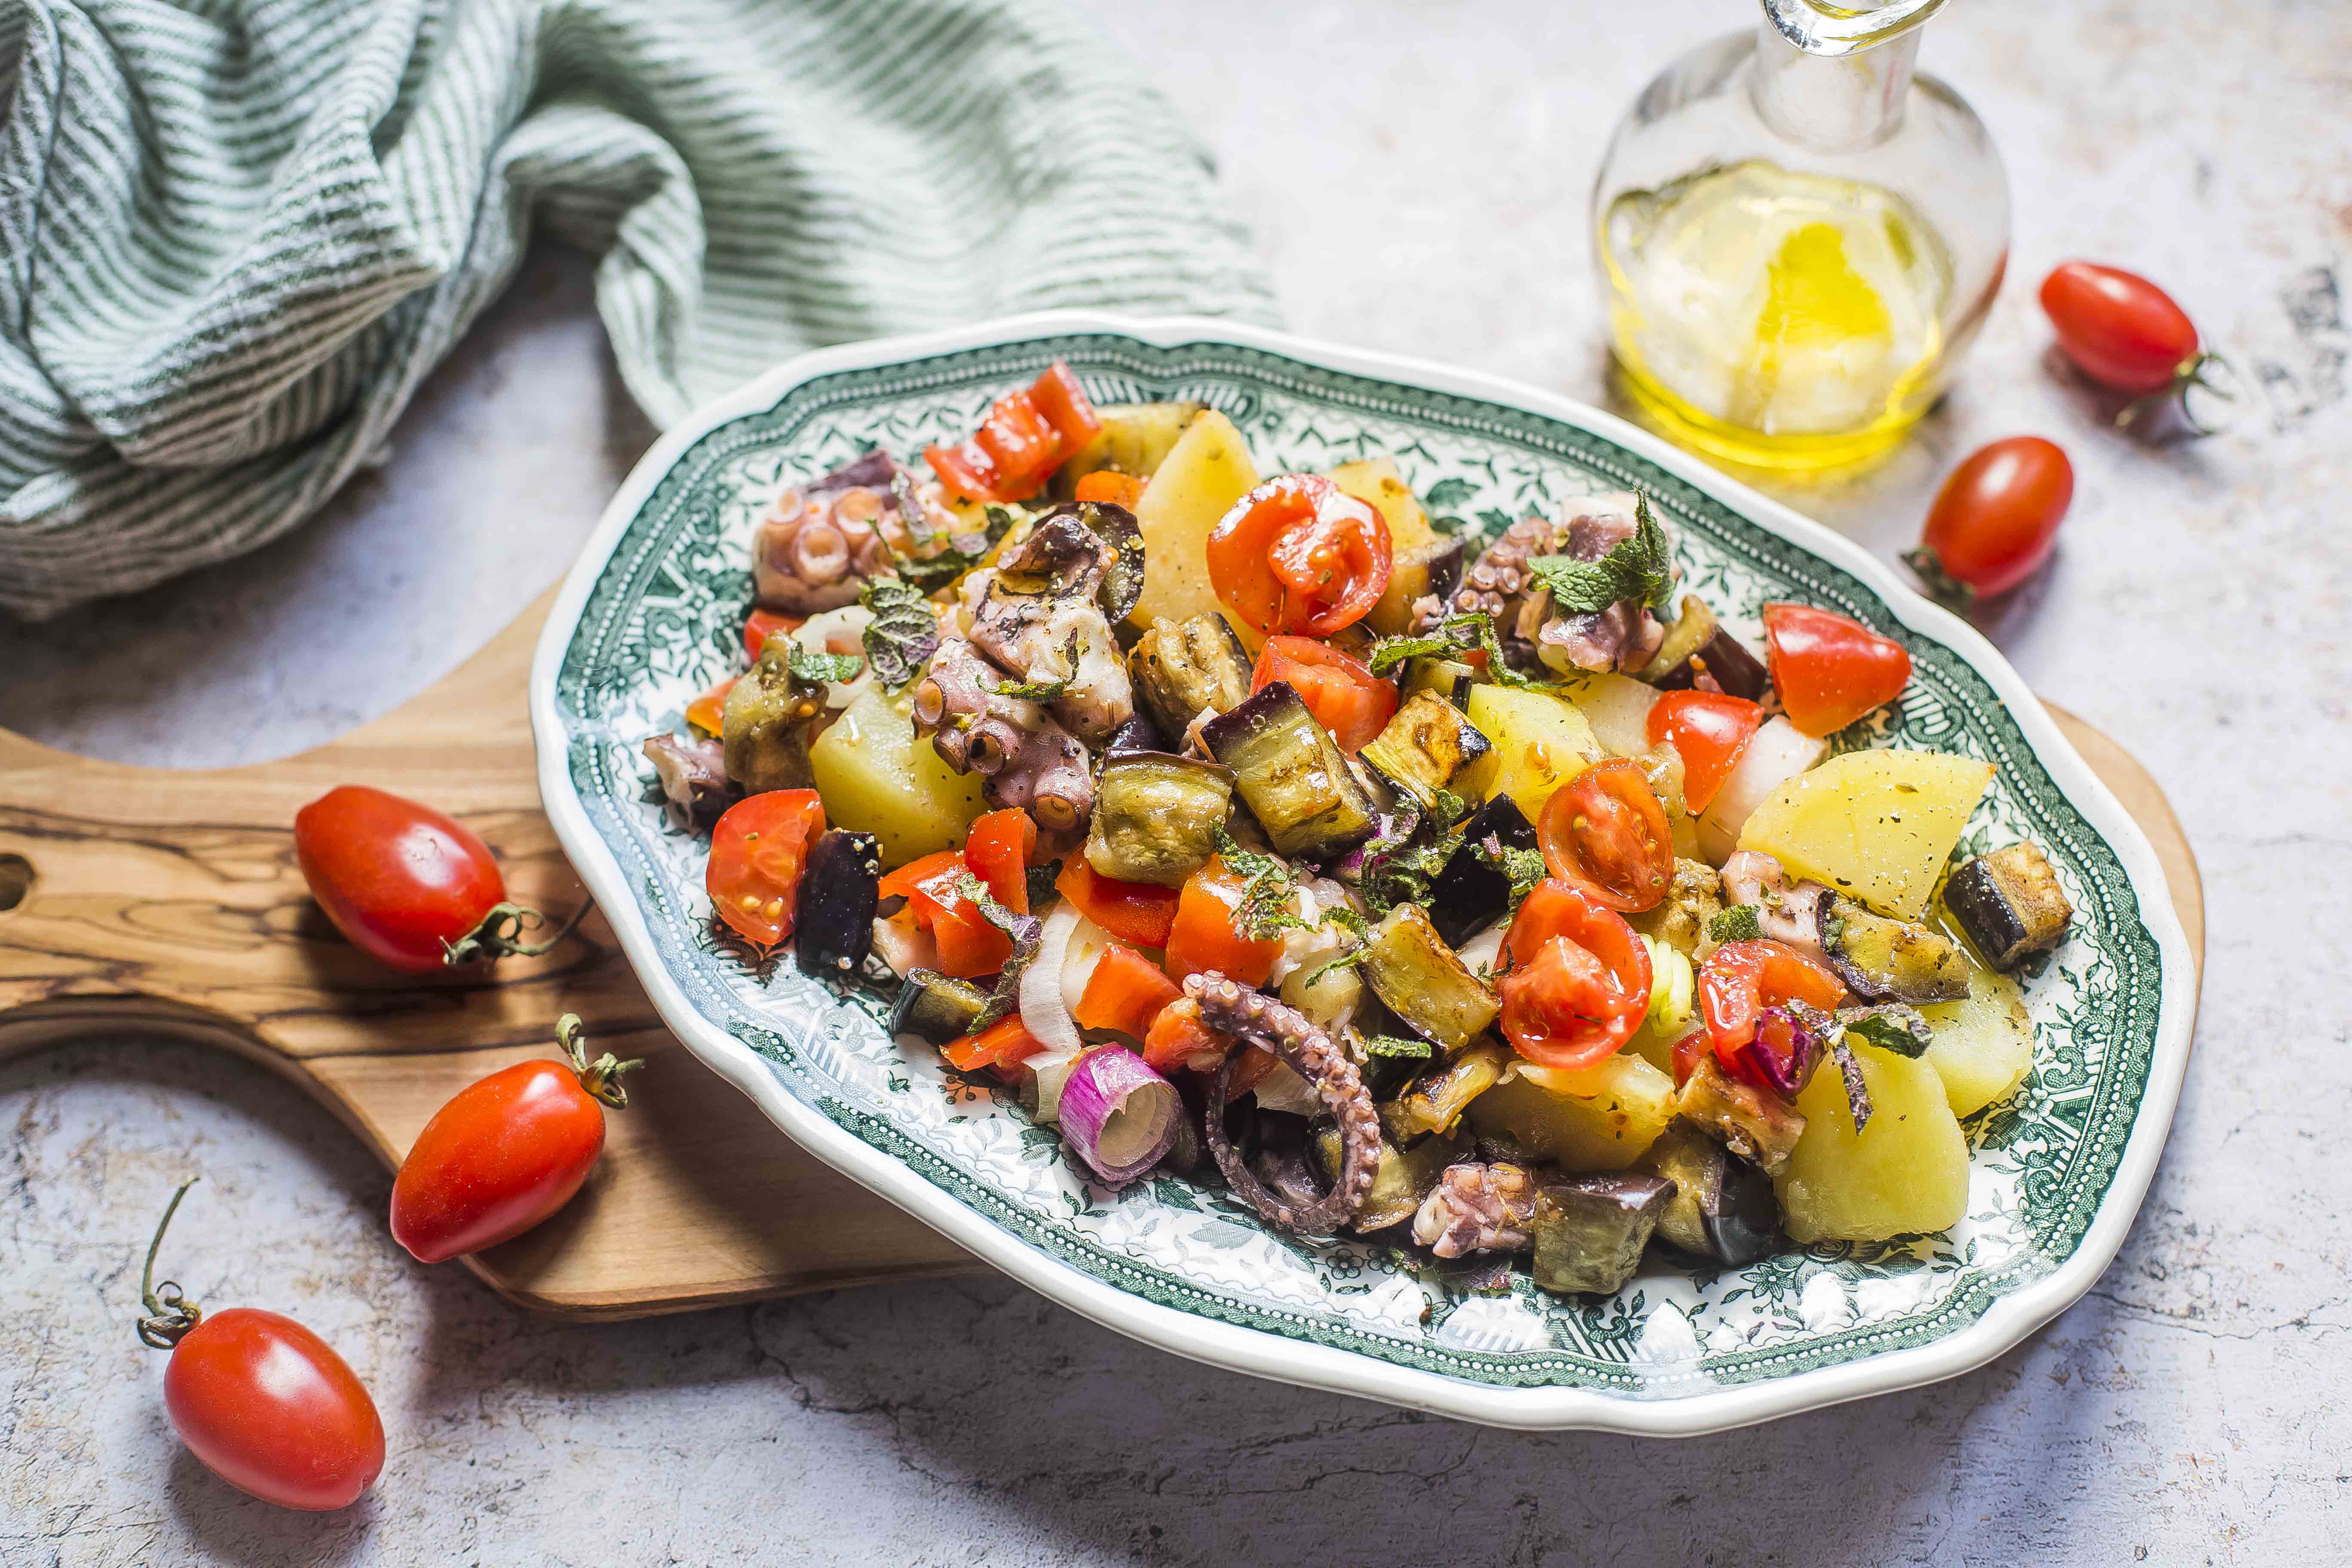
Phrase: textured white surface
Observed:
(1416, 174)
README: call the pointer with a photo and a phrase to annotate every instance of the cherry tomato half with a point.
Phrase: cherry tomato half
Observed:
(1709, 730)
(1138, 912)
(1995, 519)
(1577, 980)
(1830, 670)
(757, 851)
(410, 887)
(506, 1153)
(2123, 331)
(1347, 698)
(1607, 834)
(1737, 983)
(1299, 555)
(267, 1405)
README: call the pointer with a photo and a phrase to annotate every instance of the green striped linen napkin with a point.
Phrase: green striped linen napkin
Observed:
(235, 234)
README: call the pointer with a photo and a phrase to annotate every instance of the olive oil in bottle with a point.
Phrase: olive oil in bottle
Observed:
(1777, 318)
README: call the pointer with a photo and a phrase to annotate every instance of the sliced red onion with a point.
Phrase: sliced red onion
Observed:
(1118, 1114)
(1049, 1072)
(1788, 1042)
(1043, 1011)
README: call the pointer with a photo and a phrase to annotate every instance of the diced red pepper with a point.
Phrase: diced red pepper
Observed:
(708, 712)
(1119, 489)
(1057, 395)
(1003, 1043)
(1138, 912)
(998, 849)
(1126, 992)
(762, 625)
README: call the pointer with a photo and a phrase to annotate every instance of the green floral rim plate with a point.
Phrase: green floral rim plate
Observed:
(651, 614)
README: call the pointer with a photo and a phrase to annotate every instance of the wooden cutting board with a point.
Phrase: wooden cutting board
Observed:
(143, 900)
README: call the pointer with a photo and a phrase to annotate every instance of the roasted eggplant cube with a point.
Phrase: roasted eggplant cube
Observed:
(840, 887)
(1590, 1231)
(1432, 566)
(936, 1008)
(1723, 1208)
(1471, 894)
(1884, 960)
(2009, 904)
(1291, 775)
(765, 725)
(1423, 981)
(1424, 749)
(1753, 1123)
(1156, 816)
(1403, 1177)
(1435, 1102)
(1447, 677)
(1181, 667)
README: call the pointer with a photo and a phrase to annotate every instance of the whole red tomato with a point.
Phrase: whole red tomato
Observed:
(2123, 331)
(506, 1153)
(409, 886)
(1995, 519)
(267, 1405)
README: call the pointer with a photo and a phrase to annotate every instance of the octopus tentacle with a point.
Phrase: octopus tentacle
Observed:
(1023, 756)
(1229, 1007)
(1477, 1208)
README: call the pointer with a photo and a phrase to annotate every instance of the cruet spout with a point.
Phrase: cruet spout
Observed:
(1819, 29)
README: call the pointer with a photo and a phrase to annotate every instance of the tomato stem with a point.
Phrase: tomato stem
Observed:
(498, 935)
(601, 1079)
(170, 1315)
(2191, 375)
(1943, 587)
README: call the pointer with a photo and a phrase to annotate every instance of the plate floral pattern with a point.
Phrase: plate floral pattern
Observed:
(652, 615)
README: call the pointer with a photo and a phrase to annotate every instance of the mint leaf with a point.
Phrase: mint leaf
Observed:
(1895, 1028)
(903, 633)
(1264, 911)
(1027, 932)
(803, 665)
(1395, 1046)
(1525, 867)
(1640, 569)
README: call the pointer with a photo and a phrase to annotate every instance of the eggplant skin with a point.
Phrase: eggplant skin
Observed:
(840, 888)
(1723, 1209)
(2009, 904)
(1590, 1231)
(1470, 895)
(1760, 1127)
(1425, 745)
(935, 1008)
(1181, 668)
(1697, 645)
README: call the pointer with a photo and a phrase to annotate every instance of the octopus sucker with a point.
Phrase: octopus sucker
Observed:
(1253, 1018)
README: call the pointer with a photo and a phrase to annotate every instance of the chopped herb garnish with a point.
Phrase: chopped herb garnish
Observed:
(1456, 635)
(1641, 569)
(903, 633)
(1395, 1046)
(1525, 867)
(803, 665)
(1027, 932)
(1400, 864)
(1737, 923)
(1040, 880)
(1857, 1090)
(1269, 888)
(1895, 1028)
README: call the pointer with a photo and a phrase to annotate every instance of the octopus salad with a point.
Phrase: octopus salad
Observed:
(1496, 901)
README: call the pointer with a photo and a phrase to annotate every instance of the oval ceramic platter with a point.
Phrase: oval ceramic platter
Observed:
(652, 614)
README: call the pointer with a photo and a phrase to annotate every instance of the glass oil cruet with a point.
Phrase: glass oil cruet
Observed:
(1798, 238)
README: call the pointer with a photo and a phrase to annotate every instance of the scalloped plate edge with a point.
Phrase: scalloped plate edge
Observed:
(2009, 1320)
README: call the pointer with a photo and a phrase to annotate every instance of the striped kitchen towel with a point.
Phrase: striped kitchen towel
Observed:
(235, 234)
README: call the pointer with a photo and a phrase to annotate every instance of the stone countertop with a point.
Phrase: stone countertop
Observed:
(1416, 174)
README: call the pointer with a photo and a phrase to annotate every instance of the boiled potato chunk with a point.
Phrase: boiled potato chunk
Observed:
(1618, 709)
(1206, 471)
(878, 776)
(1539, 743)
(1875, 825)
(1602, 1118)
(1907, 1172)
(1983, 1044)
(1375, 482)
